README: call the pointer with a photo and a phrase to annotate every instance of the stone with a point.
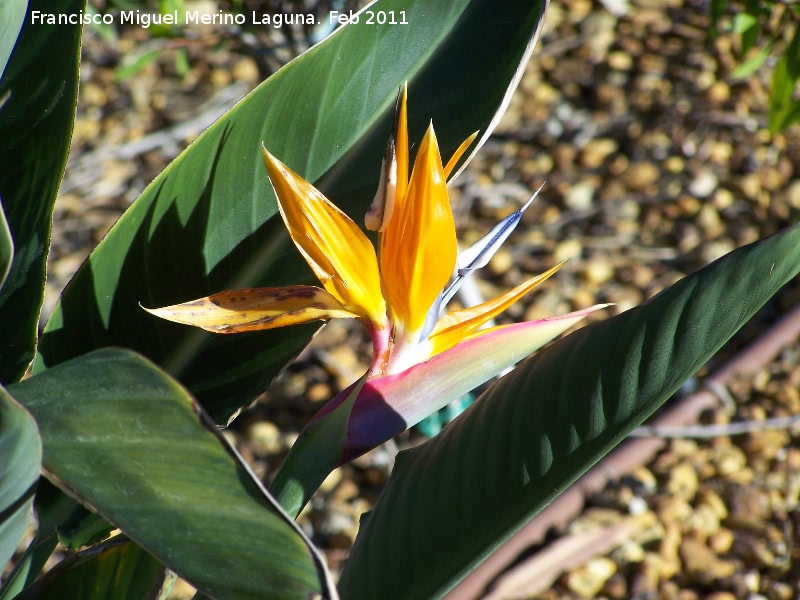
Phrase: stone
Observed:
(579, 196)
(589, 579)
(682, 481)
(704, 184)
(701, 564)
(641, 175)
(265, 438)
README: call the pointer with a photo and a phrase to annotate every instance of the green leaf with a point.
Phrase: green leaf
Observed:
(209, 222)
(749, 20)
(135, 447)
(789, 116)
(743, 22)
(782, 110)
(21, 452)
(716, 10)
(60, 520)
(28, 566)
(135, 63)
(113, 571)
(792, 55)
(6, 247)
(12, 16)
(40, 85)
(450, 502)
(751, 65)
(83, 528)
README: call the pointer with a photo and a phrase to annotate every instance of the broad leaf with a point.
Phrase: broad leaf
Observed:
(40, 88)
(209, 222)
(115, 571)
(21, 452)
(123, 437)
(453, 500)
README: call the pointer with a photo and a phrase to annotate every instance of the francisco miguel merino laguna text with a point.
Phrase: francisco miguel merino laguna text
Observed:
(194, 17)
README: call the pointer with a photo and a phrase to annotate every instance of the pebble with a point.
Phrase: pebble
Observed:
(579, 196)
(701, 564)
(597, 151)
(331, 481)
(682, 481)
(704, 184)
(640, 176)
(568, 249)
(729, 460)
(597, 271)
(621, 61)
(723, 198)
(589, 579)
(246, 70)
(719, 92)
(501, 262)
(721, 540)
(265, 437)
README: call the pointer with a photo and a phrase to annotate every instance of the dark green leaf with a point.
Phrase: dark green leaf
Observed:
(133, 445)
(21, 452)
(209, 221)
(114, 571)
(28, 566)
(60, 520)
(452, 501)
(41, 84)
(83, 528)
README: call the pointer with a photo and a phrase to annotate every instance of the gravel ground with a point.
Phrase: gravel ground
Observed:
(656, 161)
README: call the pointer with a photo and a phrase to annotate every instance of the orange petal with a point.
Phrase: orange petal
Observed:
(451, 164)
(251, 309)
(418, 250)
(457, 324)
(401, 143)
(341, 256)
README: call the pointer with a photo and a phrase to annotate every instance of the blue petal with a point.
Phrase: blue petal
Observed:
(479, 254)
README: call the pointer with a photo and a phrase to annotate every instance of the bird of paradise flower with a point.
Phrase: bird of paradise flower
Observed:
(424, 356)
